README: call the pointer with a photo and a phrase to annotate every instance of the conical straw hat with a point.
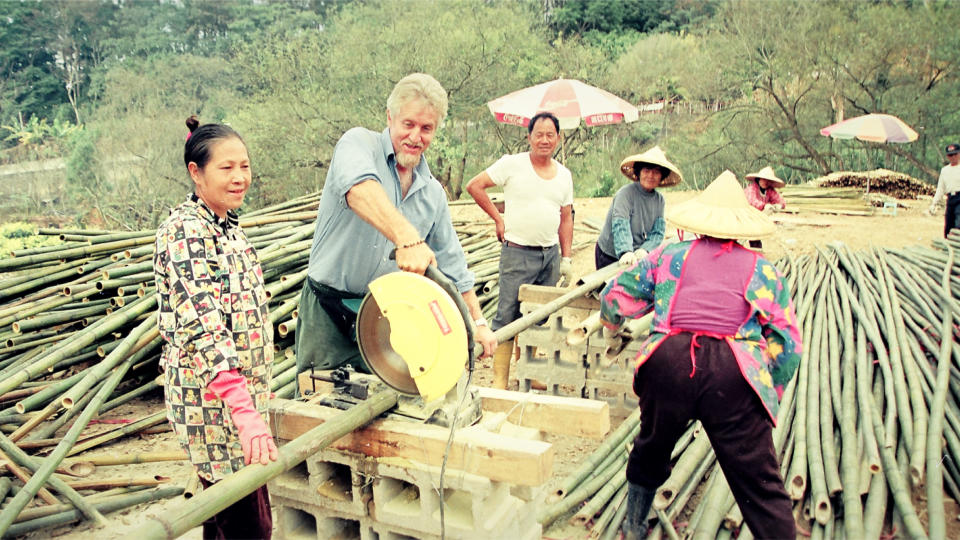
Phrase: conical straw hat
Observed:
(767, 174)
(721, 211)
(655, 156)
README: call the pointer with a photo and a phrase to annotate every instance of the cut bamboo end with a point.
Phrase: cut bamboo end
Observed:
(916, 478)
(79, 468)
(576, 336)
(822, 511)
(192, 486)
(797, 487)
(614, 348)
(663, 498)
(580, 520)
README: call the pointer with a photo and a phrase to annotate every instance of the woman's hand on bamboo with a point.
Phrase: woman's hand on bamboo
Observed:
(255, 439)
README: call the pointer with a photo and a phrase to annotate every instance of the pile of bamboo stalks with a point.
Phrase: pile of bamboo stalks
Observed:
(826, 200)
(867, 428)
(78, 337)
(892, 183)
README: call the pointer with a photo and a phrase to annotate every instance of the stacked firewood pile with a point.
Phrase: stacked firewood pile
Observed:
(894, 184)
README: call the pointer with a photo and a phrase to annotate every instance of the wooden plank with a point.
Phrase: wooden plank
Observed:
(553, 414)
(542, 294)
(476, 451)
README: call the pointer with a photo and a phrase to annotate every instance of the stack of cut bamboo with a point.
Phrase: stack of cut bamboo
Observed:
(895, 184)
(868, 429)
(78, 337)
(826, 200)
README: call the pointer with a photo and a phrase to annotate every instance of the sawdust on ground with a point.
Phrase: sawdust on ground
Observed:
(797, 235)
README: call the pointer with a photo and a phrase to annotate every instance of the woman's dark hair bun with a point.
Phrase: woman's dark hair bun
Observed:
(193, 123)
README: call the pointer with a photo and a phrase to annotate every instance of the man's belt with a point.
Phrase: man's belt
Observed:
(324, 291)
(531, 248)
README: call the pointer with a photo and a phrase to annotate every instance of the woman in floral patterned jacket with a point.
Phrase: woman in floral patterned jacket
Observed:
(724, 343)
(218, 339)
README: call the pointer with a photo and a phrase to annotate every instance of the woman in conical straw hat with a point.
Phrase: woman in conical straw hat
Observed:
(634, 223)
(761, 190)
(724, 343)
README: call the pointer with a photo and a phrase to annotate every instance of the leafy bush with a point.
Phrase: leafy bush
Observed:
(606, 185)
(21, 235)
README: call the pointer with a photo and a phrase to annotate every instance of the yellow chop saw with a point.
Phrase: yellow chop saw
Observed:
(413, 334)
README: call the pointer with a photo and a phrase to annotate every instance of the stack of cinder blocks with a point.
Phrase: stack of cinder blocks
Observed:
(343, 495)
(382, 480)
(569, 370)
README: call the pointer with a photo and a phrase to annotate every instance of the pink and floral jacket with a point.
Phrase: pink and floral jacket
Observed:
(761, 200)
(766, 345)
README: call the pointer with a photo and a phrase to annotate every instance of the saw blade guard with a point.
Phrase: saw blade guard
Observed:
(412, 334)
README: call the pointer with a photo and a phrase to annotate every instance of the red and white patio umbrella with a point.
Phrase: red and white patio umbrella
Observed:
(570, 100)
(878, 128)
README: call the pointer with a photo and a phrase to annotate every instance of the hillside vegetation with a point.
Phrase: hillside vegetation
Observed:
(743, 84)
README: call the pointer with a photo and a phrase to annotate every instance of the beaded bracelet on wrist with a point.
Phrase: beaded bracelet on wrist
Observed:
(410, 245)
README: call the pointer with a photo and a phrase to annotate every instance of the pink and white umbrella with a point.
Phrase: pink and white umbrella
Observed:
(569, 99)
(879, 128)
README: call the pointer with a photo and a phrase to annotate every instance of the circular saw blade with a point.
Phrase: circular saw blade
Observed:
(373, 337)
(412, 334)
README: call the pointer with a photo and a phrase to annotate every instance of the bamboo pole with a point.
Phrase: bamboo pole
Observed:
(935, 504)
(216, 498)
(116, 503)
(612, 441)
(110, 483)
(49, 464)
(35, 485)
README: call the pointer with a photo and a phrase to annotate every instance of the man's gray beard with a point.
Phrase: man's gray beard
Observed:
(407, 161)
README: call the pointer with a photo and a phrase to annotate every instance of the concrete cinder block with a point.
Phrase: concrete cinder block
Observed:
(407, 497)
(328, 479)
(545, 356)
(297, 520)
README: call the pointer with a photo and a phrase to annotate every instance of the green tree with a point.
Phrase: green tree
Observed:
(318, 85)
(28, 87)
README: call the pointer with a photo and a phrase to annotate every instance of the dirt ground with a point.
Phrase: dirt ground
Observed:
(797, 234)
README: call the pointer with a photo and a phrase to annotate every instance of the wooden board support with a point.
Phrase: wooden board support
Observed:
(553, 414)
(476, 451)
(542, 294)
(562, 415)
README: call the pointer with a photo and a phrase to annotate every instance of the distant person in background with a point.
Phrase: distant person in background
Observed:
(724, 343)
(634, 224)
(536, 227)
(761, 192)
(949, 185)
(217, 336)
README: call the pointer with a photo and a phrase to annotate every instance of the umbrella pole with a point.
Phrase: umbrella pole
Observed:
(563, 150)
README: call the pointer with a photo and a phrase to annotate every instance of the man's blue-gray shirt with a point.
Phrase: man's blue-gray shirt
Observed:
(348, 253)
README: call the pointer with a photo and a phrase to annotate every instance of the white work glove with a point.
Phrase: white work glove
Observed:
(929, 211)
(769, 209)
(628, 259)
(640, 253)
(566, 269)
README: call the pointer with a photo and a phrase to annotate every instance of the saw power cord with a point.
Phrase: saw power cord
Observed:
(446, 451)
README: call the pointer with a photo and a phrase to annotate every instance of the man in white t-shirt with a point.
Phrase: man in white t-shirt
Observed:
(949, 185)
(536, 227)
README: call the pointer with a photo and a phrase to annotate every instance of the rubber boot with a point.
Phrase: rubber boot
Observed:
(501, 364)
(639, 501)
